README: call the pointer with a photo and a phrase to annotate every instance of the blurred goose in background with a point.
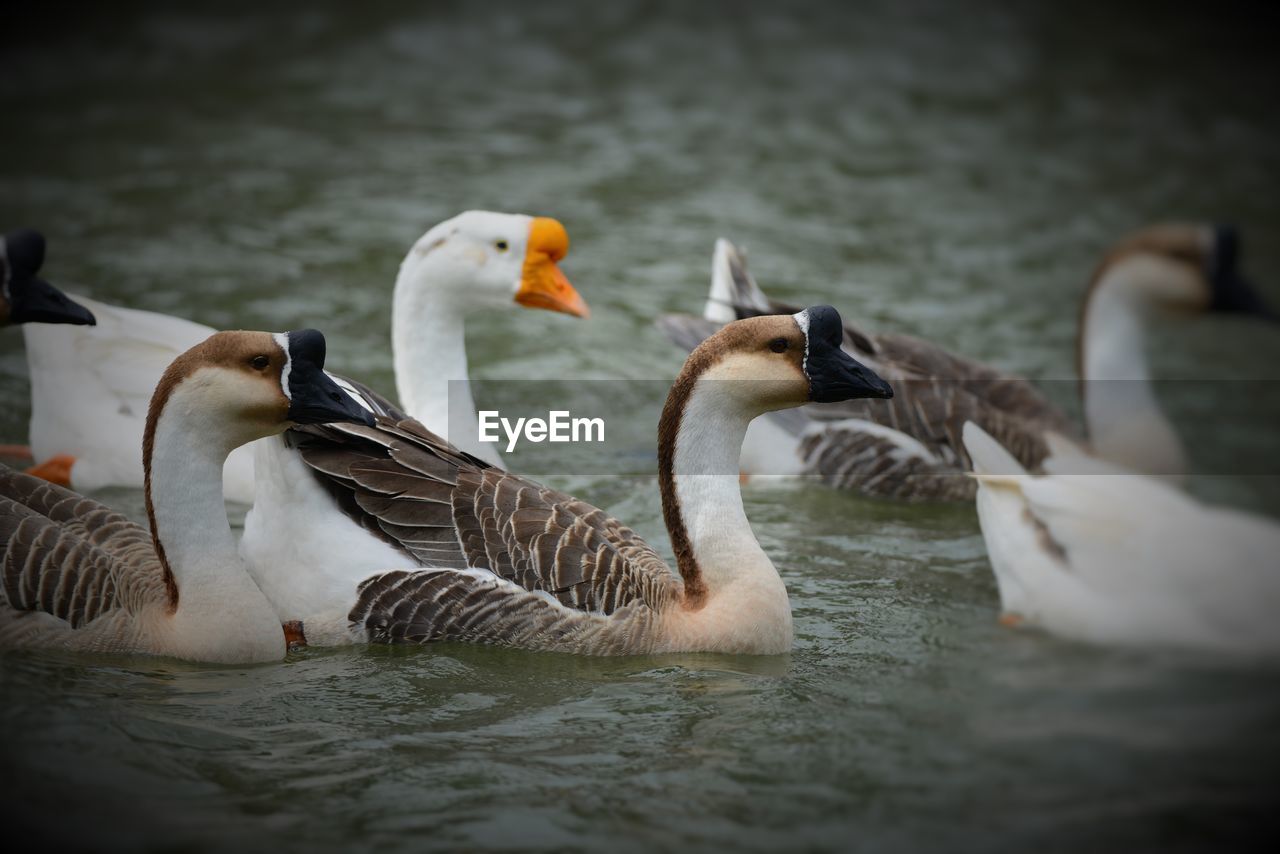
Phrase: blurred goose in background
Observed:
(24, 296)
(80, 576)
(90, 387)
(27, 298)
(912, 448)
(1095, 552)
(510, 562)
(908, 447)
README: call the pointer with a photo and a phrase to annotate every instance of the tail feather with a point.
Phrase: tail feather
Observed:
(991, 462)
(734, 294)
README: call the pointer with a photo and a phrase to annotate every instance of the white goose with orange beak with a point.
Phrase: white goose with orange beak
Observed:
(90, 385)
(297, 535)
(476, 262)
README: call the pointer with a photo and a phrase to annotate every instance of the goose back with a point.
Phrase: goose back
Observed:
(70, 565)
(486, 536)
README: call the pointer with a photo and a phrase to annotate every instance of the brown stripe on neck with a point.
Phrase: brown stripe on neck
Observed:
(695, 590)
(699, 362)
(745, 335)
(173, 375)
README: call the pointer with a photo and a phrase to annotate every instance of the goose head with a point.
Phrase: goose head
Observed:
(782, 361)
(481, 259)
(242, 386)
(24, 296)
(1182, 268)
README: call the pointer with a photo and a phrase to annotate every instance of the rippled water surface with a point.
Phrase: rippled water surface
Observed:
(950, 170)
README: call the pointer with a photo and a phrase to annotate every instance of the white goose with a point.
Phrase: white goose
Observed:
(90, 387)
(508, 561)
(911, 447)
(77, 575)
(477, 261)
(1095, 552)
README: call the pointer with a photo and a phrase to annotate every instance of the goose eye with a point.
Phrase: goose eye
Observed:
(778, 345)
(259, 363)
(501, 245)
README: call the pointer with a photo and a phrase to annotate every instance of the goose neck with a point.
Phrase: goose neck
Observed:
(428, 340)
(1125, 421)
(217, 611)
(700, 441)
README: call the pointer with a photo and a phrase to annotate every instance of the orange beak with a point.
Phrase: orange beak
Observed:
(542, 285)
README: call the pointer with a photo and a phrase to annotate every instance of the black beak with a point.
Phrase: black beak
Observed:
(1232, 292)
(31, 298)
(37, 301)
(833, 374)
(314, 398)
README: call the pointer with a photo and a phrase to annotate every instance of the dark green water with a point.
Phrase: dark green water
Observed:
(952, 171)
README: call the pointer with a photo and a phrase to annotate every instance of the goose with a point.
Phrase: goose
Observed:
(27, 298)
(24, 296)
(90, 388)
(80, 576)
(478, 261)
(475, 553)
(1095, 552)
(911, 447)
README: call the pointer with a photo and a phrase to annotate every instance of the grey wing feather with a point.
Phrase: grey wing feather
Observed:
(1008, 393)
(422, 606)
(849, 458)
(446, 509)
(69, 557)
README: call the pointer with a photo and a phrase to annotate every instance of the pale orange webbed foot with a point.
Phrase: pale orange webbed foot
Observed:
(1009, 620)
(55, 469)
(743, 477)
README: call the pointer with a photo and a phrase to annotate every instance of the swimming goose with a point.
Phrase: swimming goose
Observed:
(27, 298)
(498, 558)
(78, 575)
(24, 296)
(908, 447)
(911, 447)
(475, 262)
(90, 388)
(1161, 269)
(1095, 552)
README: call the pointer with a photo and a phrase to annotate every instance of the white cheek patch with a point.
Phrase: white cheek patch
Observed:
(354, 394)
(802, 320)
(282, 340)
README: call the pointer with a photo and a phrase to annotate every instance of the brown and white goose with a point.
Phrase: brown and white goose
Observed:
(504, 560)
(912, 447)
(77, 575)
